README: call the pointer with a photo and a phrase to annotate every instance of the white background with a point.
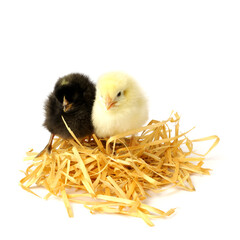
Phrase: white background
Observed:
(186, 54)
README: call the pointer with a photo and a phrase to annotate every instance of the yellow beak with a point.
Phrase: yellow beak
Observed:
(109, 102)
(66, 105)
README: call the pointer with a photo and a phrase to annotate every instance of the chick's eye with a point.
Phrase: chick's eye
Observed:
(119, 94)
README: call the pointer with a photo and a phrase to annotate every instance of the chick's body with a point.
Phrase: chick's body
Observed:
(72, 98)
(120, 105)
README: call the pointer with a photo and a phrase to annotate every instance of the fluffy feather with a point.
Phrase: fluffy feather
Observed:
(79, 93)
(72, 98)
(120, 105)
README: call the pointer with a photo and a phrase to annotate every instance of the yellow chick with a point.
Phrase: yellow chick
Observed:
(120, 105)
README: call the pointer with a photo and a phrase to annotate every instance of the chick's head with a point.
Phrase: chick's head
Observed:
(73, 90)
(116, 90)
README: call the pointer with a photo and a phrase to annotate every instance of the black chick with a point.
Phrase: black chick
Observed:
(72, 98)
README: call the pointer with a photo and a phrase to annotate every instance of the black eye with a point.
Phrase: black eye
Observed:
(119, 94)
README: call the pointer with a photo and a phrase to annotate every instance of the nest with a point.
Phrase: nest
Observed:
(117, 174)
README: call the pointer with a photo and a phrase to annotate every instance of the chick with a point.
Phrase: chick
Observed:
(120, 105)
(72, 98)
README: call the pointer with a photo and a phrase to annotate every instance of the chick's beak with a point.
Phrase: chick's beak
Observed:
(109, 102)
(66, 105)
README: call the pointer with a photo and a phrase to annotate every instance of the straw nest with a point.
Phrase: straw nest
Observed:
(116, 174)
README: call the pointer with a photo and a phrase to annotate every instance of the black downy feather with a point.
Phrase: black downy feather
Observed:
(80, 92)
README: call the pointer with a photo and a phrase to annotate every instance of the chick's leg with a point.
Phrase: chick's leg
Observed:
(48, 147)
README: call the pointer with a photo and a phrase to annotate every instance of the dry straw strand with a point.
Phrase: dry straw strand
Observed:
(116, 174)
